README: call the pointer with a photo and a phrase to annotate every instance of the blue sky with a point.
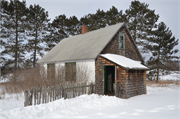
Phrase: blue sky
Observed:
(168, 10)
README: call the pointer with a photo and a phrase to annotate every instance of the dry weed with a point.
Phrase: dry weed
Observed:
(25, 79)
(164, 83)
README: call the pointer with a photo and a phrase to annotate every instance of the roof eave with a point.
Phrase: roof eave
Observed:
(137, 68)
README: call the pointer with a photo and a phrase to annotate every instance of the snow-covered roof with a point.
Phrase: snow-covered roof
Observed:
(83, 46)
(124, 61)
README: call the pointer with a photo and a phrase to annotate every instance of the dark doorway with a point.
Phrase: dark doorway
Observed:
(109, 80)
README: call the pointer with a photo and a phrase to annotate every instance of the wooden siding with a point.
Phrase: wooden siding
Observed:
(131, 82)
(130, 50)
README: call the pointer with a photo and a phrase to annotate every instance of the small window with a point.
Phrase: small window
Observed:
(51, 71)
(121, 40)
(70, 71)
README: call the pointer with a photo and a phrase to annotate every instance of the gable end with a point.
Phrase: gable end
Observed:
(131, 51)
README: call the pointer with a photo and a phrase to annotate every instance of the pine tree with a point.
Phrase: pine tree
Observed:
(3, 35)
(37, 30)
(57, 32)
(162, 45)
(13, 33)
(102, 19)
(73, 26)
(140, 21)
(112, 16)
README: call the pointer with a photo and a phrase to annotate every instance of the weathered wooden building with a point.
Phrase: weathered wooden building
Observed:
(112, 55)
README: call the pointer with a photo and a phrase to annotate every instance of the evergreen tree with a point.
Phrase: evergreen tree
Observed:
(73, 26)
(102, 19)
(140, 21)
(3, 34)
(37, 30)
(58, 30)
(162, 45)
(112, 16)
(12, 32)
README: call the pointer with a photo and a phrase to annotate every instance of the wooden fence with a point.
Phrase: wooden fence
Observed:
(42, 95)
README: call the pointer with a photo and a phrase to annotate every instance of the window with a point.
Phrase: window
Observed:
(51, 71)
(70, 71)
(121, 40)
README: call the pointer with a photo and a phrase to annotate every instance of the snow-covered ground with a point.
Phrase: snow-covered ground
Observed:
(174, 75)
(158, 103)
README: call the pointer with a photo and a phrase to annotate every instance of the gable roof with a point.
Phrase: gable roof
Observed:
(83, 46)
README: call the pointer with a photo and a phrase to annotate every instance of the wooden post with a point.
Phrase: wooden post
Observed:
(65, 93)
(91, 88)
(31, 96)
(58, 92)
(82, 88)
(37, 95)
(26, 96)
(73, 90)
(43, 95)
(53, 92)
(48, 93)
(67, 88)
(88, 89)
(34, 96)
(62, 92)
(40, 95)
(95, 88)
(79, 89)
(85, 88)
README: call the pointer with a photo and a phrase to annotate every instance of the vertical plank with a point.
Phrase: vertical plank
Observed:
(37, 91)
(67, 92)
(79, 89)
(57, 92)
(50, 93)
(60, 92)
(53, 92)
(40, 95)
(31, 96)
(47, 95)
(43, 95)
(72, 91)
(26, 103)
(64, 92)
(95, 88)
(82, 88)
(34, 96)
(91, 88)
(88, 89)
(56, 87)
(85, 88)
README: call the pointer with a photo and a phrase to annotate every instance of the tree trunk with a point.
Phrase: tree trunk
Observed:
(34, 61)
(16, 46)
(135, 31)
(157, 69)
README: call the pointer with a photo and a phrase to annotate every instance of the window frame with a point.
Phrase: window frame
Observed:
(123, 40)
(48, 65)
(74, 72)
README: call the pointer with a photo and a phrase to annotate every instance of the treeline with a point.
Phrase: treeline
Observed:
(27, 33)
